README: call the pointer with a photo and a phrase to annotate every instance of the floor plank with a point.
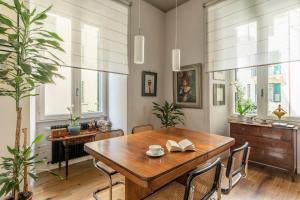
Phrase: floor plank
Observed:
(262, 183)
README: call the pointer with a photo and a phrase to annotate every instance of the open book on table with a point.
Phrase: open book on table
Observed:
(183, 145)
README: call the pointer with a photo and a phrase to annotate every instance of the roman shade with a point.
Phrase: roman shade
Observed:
(95, 32)
(247, 33)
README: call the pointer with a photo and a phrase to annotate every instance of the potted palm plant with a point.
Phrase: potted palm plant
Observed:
(243, 105)
(27, 64)
(169, 114)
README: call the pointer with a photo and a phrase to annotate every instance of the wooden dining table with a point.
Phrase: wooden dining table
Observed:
(143, 174)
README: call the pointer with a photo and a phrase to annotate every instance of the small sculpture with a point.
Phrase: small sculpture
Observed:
(279, 112)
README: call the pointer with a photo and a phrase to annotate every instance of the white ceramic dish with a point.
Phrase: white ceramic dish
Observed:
(161, 153)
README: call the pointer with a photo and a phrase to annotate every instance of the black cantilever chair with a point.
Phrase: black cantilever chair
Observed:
(203, 183)
(104, 169)
(236, 167)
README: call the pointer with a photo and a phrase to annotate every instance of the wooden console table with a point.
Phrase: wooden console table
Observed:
(84, 137)
(271, 146)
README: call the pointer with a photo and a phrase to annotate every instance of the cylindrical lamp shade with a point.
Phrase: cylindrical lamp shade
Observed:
(176, 60)
(139, 49)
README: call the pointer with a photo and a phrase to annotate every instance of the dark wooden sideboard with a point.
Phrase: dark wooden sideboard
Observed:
(275, 147)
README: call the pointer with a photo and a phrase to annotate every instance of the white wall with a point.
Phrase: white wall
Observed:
(191, 43)
(153, 27)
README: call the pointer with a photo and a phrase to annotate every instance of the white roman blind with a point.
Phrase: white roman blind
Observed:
(245, 33)
(95, 32)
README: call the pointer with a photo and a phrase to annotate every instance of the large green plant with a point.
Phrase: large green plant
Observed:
(31, 61)
(243, 105)
(168, 113)
(13, 168)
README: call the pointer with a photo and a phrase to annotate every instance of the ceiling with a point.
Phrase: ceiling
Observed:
(165, 5)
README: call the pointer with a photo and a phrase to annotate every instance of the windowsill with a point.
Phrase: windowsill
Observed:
(67, 119)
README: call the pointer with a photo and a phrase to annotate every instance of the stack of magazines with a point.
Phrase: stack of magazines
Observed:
(282, 125)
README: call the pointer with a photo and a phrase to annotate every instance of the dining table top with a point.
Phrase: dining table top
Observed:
(128, 153)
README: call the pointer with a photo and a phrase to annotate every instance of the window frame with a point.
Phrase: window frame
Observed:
(262, 95)
(75, 100)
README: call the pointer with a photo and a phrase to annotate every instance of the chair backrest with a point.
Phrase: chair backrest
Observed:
(109, 134)
(237, 160)
(202, 183)
(146, 127)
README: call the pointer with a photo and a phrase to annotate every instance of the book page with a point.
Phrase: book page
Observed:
(186, 145)
(173, 146)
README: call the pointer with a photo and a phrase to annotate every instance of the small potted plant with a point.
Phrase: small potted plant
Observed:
(74, 127)
(243, 105)
(168, 113)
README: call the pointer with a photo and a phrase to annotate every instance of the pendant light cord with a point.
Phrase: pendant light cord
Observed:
(140, 17)
(176, 21)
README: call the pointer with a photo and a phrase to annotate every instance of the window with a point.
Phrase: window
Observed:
(248, 80)
(281, 82)
(85, 88)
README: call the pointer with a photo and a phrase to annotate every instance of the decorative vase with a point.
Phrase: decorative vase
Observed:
(241, 118)
(74, 129)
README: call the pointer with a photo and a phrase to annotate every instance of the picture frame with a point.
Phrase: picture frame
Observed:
(218, 94)
(187, 86)
(220, 76)
(149, 83)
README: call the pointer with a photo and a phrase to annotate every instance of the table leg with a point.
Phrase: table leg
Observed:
(134, 191)
(67, 160)
(59, 154)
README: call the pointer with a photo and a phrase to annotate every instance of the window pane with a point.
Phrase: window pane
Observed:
(91, 91)
(58, 95)
(247, 78)
(278, 92)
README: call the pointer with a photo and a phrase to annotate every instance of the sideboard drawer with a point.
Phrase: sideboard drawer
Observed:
(270, 157)
(276, 133)
(241, 129)
(264, 143)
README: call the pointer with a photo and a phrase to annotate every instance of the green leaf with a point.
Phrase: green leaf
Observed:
(33, 175)
(6, 21)
(37, 139)
(12, 150)
(56, 36)
(26, 68)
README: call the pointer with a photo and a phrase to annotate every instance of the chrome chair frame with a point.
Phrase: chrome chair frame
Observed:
(217, 180)
(108, 175)
(241, 172)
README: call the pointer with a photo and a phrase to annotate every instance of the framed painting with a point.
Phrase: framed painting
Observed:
(187, 86)
(218, 94)
(149, 84)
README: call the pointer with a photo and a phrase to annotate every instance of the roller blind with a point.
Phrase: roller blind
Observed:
(95, 32)
(246, 33)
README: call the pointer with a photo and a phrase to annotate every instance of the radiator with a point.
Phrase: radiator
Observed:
(75, 151)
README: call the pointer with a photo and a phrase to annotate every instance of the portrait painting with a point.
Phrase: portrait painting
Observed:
(187, 86)
(149, 83)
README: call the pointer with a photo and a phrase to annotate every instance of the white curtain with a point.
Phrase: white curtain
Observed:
(95, 32)
(245, 33)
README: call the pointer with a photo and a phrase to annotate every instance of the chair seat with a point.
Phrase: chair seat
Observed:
(171, 191)
(106, 168)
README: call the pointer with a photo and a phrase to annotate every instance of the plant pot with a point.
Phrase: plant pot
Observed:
(23, 196)
(249, 120)
(241, 118)
(74, 129)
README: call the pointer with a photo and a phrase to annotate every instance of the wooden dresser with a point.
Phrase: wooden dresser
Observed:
(275, 147)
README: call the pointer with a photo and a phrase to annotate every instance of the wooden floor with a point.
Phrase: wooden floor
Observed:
(261, 184)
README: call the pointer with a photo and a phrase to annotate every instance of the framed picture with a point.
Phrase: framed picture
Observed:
(149, 84)
(218, 94)
(219, 76)
(187, 86)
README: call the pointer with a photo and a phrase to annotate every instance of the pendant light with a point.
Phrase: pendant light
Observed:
(176, 51)
(139, 43)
